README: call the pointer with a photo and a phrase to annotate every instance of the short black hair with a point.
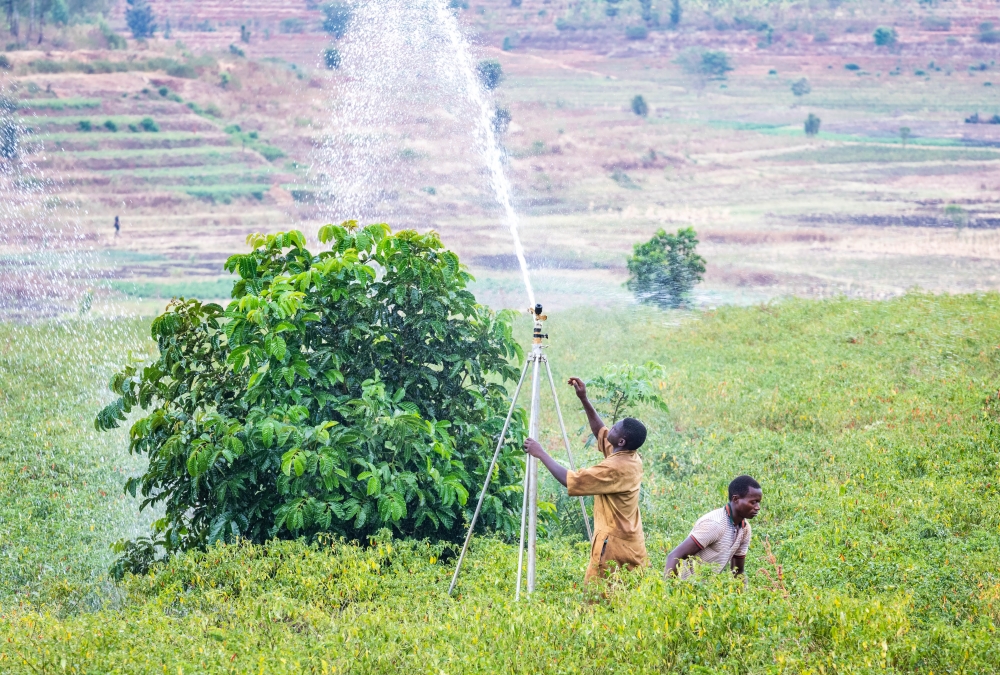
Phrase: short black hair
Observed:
(741, 486)
(634, 433)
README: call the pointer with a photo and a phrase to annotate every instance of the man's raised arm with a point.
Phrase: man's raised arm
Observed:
(596, 423)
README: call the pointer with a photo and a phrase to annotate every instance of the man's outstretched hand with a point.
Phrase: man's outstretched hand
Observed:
(579, 387)
(534, 448)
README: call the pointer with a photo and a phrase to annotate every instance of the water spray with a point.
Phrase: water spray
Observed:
(529, 505)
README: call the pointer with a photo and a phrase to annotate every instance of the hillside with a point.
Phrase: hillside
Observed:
(872, 427)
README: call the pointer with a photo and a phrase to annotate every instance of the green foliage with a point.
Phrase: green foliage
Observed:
(801, 87)
(958, 216)
(149, 124)
(4, 62)
(636, 32)
(331, 58)
(60, 12)
(111, 126)
(236, 51)
(664, 270)
(490, 74)
(705, 63)
(140, 19)
(342, 392)
(811, 126)
(114, 40)
(852, 66)
(621, 388)
(639, 106)
(885, 36)
(675, 13)
(85, 125)
(244, 34)
(988, 34)
(336, 19)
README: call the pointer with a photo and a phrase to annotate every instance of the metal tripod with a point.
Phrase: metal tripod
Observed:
(529, 507)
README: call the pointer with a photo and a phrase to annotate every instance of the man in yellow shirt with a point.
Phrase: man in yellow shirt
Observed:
(614, 483)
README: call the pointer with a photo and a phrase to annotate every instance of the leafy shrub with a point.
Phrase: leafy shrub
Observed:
(182, 70)
(639, 106)
(85, 125)
(705, 63)
(236, 51)
(612, 8)
(988, 34)
(509, 43)
(801, 87)
(336, 19)
(490, 74)
(811, 126)
(133, 127)
(936, 23)
(620, 388)
(501, 120)
(664, 270)
(4, 62)
(292, 25)
(111, 126)
(636, 32)
(140, 19)
(343, 392)
(114, 40)
(675, 13)
(851, 66)
(270, 152)
(149, 124)
(331, 58)
(885, 36)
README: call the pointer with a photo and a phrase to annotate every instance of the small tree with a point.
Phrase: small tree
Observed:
(140, 19)
(904, 135)
(331, 58)
(244, 34)
(490, 74)
(336, 18)
(620, 388)
(646, 10)
(348, 391)
(707, 64)
(501, 120)
(675, 13)
(664, 270)
(885, 36)
(812, 125)
(10, 130)
(639, 106)
(801, 87)
(612, 8)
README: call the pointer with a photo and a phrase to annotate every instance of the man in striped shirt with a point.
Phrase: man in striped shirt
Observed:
(720, 538)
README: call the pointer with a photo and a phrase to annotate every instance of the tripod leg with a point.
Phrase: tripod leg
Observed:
(569, 452)
(489, 476)
(520, 548)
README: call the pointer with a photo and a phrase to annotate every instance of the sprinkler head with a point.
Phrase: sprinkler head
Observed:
(538, 309)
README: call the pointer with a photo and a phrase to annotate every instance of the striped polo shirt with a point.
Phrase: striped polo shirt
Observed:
(719, 538)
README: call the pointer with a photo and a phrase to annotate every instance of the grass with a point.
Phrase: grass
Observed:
(872, 426)
(59, 103)
(851, 154)
(218, 288)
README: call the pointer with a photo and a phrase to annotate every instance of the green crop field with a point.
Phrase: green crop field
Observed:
(872, 427)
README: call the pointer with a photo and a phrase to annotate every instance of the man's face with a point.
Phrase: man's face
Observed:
(616, 436)
(748, 505)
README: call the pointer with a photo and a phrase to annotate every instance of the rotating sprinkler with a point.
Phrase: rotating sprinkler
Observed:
(529, 506)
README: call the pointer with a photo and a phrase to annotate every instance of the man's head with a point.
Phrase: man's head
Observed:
(744, 497)
(629, 434)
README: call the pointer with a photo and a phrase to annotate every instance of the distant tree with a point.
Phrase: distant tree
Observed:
(675, 13)
(664, 270)
(636, 32)
(140, 19)
(501, 120)
(706, 63)
(958, 216)
(639, 106)
(904, 135)
(646, 10)
(10, 132)
(331, 57)
(885, 37)
(515, 3)
(801, 87)
(612, 8)
(336, 17)
(987, 33)
(60, 12)
(244, 34)
(490, 74)
(812, 125)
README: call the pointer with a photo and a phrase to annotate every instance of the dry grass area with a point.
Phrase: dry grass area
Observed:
(853, 210)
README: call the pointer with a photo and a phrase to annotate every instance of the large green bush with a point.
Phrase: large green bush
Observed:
(664, 270)
(346, 391)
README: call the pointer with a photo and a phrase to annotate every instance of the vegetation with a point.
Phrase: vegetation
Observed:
(336, 18)
(811, 125)
(801, 87)
(490, 74)
(140, 19)
(871, 425)
(331, 58)
(639, 106)
(707, 63)
(988, 34)
(885, 37)
(675, 13)
(636, 32)
(664, 270)
(343, 392)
